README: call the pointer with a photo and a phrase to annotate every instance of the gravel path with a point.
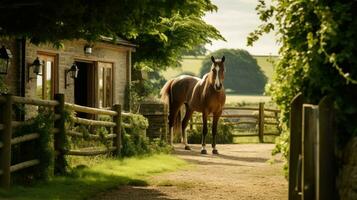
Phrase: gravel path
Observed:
(241, 171)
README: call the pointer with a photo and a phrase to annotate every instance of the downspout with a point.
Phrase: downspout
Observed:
(22, 62)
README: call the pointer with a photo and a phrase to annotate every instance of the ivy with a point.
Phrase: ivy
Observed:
(43, 125)
(317, 57)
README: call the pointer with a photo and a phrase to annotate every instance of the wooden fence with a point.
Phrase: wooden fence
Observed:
(7, 124)
(259, 116)
(312, 164)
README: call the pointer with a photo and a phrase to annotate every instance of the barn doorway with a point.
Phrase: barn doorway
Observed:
(84, 86)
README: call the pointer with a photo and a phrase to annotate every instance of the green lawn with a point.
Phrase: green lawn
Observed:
(96, 176)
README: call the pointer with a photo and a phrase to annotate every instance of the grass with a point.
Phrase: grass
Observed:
(253, 139)
(99, 175)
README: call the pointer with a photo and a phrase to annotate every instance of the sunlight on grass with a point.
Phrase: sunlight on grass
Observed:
(103, 174)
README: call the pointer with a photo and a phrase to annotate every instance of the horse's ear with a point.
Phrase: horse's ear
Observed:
(212, 58)
(223, 58)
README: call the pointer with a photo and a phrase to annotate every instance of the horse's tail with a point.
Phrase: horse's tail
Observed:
(166, 97)
(166, 92)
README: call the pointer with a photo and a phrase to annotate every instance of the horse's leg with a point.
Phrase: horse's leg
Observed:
(185, 121)
(214, 132)
(173, 111)
(204, 132)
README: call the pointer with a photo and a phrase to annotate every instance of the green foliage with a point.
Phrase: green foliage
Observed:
(199, 50)
(224, 132)
(162, 29)
(318, 43)
(3, 88)
(243, 75)
(135, 141)
(144, 89)
(43, 125)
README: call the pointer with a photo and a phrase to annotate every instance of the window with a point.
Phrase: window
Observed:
(45, 84)
(105, 84)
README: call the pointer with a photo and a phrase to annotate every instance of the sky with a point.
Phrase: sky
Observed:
(235, 19)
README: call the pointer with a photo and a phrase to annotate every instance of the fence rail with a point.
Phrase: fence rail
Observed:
(7, 124)
(263, 116)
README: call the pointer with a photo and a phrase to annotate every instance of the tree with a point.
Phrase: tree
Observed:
(243, 75)
(162, 29)
(199, 50)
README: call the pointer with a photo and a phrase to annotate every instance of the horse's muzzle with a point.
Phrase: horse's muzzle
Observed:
(218, 88)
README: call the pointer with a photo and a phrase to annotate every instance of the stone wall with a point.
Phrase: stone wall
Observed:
(12, 79)
(74, 51)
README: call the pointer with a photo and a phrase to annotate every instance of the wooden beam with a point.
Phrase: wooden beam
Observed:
(261, 123)
(90, 152)
(295, 147)
(117, 142)
(24, 165)
(90, 110)
(5, 137)
(35, 102)
(24, 138)
(90, 136)
(60, 137)
(93, 122)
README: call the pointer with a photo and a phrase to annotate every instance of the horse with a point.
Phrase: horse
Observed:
(204, 95)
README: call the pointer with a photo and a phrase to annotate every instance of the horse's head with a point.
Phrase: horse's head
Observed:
(217, 73)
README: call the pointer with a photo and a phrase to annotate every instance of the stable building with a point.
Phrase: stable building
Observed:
(90, 74)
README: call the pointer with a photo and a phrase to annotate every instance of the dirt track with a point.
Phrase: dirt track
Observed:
(241, 171)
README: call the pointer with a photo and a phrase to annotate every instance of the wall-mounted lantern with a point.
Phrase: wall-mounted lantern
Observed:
(36, 68)
(72, 72)
(5, 56)
(88, 49)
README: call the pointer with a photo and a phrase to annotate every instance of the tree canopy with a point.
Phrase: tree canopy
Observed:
(163, 29)
(243, 75)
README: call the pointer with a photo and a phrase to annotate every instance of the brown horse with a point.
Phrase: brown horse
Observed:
(204, 95)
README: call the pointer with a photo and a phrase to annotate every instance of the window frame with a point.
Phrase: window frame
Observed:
(104, 82)
(53, 57)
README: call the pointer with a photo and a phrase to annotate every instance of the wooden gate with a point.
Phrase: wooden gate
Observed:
(312, 164)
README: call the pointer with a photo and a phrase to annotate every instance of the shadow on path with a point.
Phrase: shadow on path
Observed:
(134, 193)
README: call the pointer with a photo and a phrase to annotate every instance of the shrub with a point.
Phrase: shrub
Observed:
(135, 141)
(224, 133)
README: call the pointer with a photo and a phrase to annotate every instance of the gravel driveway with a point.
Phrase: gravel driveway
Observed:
(240, 171)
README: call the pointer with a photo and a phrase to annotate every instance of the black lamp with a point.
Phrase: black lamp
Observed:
(36, 68)
(5, 56)
(73, 72)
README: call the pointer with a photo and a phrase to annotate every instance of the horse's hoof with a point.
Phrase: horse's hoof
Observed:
(187, 148)
(215, 151)
(203, 151)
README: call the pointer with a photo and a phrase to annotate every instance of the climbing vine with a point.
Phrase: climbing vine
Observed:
(317, 57)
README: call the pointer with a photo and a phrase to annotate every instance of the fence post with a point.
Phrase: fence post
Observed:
(261, 122)
(295, 147)
(308, 150)
(117, 129)
(326, 185)
(59, 137)
(166, 119)
(5, 138)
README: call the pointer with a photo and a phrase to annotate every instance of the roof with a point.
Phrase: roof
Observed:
(118, 41)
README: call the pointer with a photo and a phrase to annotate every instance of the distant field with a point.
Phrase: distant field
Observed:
(189, 64)
(246, 99)
(193, 64)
